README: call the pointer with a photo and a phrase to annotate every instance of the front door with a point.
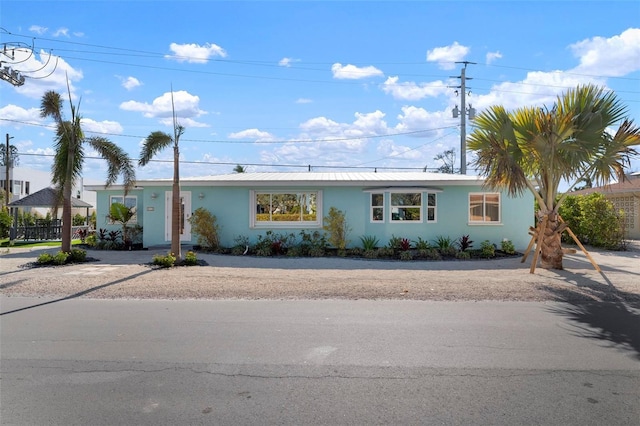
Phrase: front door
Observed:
(185, 215)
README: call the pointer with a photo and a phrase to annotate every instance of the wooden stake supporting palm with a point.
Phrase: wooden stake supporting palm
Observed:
(537, 235)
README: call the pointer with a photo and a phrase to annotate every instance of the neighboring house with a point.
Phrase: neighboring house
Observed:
(24, 182)
(404, 205)
(625, 196)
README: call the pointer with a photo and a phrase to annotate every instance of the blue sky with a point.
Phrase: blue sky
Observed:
(339, 86)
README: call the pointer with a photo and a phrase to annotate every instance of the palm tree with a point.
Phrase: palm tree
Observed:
(538, 148)
(70, 154)
(155, 142)
(239, 169)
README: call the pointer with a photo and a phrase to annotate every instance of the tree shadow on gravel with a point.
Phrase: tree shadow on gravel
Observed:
(601, 312)
(80, 293)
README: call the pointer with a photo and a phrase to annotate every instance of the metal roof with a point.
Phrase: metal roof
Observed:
(317, 178)
(45, 198)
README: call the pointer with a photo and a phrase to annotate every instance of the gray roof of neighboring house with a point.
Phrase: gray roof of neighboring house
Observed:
(630, 184)
(45, 198)
(316, 178)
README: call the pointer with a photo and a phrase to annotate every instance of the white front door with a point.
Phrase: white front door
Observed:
(185, 215)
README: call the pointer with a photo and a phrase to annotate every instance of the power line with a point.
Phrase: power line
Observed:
(345, 139)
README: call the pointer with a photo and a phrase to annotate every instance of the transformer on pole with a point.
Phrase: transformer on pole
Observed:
(471, 112)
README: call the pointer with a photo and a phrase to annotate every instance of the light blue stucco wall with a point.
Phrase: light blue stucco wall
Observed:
(231, 207)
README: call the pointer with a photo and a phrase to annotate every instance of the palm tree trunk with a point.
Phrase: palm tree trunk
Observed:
(66, 199)
(176, 207)
(551, 248)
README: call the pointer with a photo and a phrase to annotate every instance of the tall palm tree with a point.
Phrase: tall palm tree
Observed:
(536, 149)
(70, 143)
(155, 142)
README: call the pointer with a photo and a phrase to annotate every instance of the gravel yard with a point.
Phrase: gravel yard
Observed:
(130, 275)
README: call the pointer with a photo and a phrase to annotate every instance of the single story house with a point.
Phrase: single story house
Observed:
(625, 196)
(384, 205)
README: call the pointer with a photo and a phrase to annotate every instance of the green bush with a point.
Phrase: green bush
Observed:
(487, 249)
(45, 259)
(507, 246)
(60, 258)
(166, 261)
(406, 255)
(78, 220)
(463, 255)
(594, 220)
(5, 222)
(190, 258)
(369, 242)
(421, 244)
(77, 255)
(337, 228)
(204, 226)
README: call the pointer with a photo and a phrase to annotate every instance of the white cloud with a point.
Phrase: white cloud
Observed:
(412, 91)
(613, 57)
(537, 89)
(38, 29)
(414, 118)
(492, 56)
(16, 116)
(106, 126)
(446, 56)
(286, 62)
(186, 108)
(303, 101)
(130, 83)
(388, 148)
(353, 72)
(254, 134)
(61, 32)
(194, 53)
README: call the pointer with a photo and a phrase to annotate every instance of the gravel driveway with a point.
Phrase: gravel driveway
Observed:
(129, 275)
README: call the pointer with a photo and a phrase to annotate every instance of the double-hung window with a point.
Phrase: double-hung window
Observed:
(286, 208)
(130, 201)
(484, 208)
(377, 207)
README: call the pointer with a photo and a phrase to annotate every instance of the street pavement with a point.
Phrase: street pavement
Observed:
(325, 362)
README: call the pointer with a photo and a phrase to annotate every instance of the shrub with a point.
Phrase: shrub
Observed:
(190, 258)
(487, 249)
(445, 245)
(45, 259)
(337, 228)
(312, 244)
(464, 243)
(507, 246)
(405, 244)
(385, 252)
(272, 243)
(370, 254)
(594, 220)
(204, 226)
(78, 219)
(241, 245)
(166, 261)
(60, 258)
(406, 255)
(421, 244)
(463, 255)
(77, 255)
(5, 222)
(430, 254)
(394, 243)
(91, 240)
(369, 242)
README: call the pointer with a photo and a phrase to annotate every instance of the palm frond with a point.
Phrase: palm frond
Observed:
(118, 161)
(153, 144)
(51, 106)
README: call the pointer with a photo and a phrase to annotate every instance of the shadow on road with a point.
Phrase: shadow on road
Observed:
(601, 312)
(79, 294)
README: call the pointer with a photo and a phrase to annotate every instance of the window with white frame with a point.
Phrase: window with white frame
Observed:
(377, 207)
(484, 208)
(286, 208)
(130, 201)
(406, 206)
(431, 207)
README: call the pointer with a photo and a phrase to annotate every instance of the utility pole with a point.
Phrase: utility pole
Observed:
(7, 164)
(463, 114)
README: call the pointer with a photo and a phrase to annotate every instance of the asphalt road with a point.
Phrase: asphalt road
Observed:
(143, 362)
